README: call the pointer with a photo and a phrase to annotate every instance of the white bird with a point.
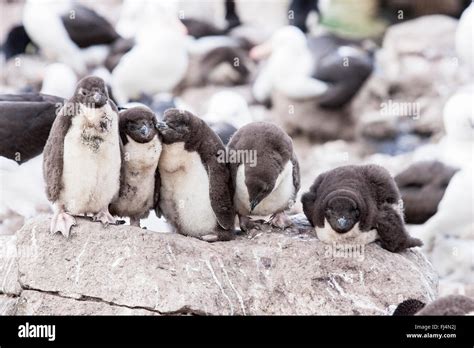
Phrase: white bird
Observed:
(456, 148)
(22, 189)
(59, 80)
(157, 62)
(229, 107)
(136, 15)
(289, 67)
(464, 37)
(448, 236)
(42, 21)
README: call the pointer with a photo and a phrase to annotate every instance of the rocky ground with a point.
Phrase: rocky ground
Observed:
(126, 270)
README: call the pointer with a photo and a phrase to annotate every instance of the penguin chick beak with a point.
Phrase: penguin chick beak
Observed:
(342, 222)
(144, 130)
(161, 126)
(99, 98)
(253, 204)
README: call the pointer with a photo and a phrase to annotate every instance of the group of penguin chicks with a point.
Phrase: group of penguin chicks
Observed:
(108, 163)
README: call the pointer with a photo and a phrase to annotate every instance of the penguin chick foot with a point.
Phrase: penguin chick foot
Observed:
(247, 224)
(280, 220)
(135, 222)
(104, 217)
(62, 222)
(210, 238)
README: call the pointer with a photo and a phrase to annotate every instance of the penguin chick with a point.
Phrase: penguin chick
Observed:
(140, 181)
(265, 173)
(447, 305)
(196, 189)
(408, 307)
(357, 204)
(82, 157)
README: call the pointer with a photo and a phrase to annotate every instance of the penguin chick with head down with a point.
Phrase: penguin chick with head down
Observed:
(82, 157)
(357, 204)
(140, 180)
(196, 188)
(447, 305)
(268, 184)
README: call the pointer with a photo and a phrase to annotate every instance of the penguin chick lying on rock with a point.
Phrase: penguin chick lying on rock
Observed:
(82, 157)
(140, 180)
(196, 188)
(357, 204)
(265, 173)
(447, 305)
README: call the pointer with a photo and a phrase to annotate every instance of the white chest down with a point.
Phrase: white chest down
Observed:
(355, 236)
(184, 194)
(91, 163)
(137, 198)
(281, 198)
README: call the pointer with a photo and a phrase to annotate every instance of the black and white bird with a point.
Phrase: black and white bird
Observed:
(18, 42)
(226, 113)
(140, 180)
(265, 173)
(82, 158)
(325, 67)
(357, 204)
(61, 29)
(200, 28)
(196, 187)
(159, 50)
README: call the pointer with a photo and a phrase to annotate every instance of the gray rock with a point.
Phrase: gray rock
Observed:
(40, 303)
(8, 305)
(8, 266)
(264, 272)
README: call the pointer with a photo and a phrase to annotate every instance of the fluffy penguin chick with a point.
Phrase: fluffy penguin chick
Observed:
(82, 156)
(196, 188)
(140, 180)
(447, 305)
(265, 173)
(357, 204)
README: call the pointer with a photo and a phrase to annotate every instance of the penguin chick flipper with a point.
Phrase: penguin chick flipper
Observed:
(156, 195)
(221, 195)
(105, 217)
(280, 220)
(62, 222)
(393, 235)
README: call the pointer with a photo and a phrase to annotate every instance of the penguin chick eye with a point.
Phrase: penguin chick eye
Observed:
(83, 91)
